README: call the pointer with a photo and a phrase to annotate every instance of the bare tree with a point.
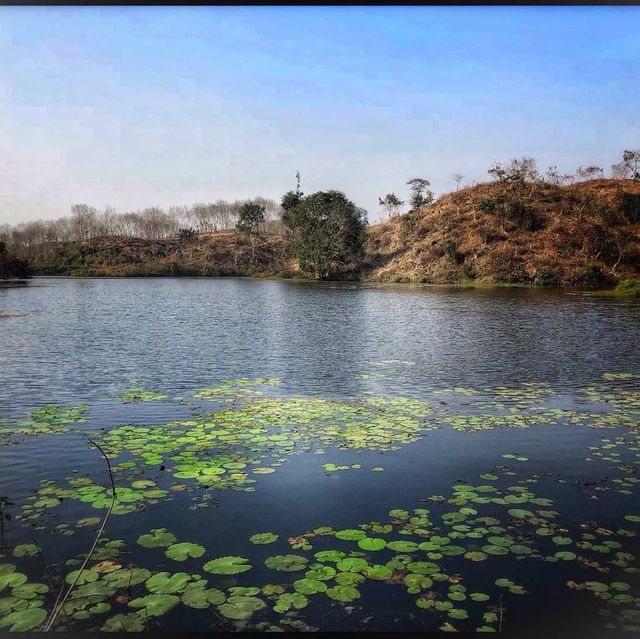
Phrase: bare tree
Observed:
(590, 172)
(457, 178)
(632, 161)
(620, 171)
(523, 169)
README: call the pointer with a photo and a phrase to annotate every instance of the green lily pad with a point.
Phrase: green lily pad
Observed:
(352, 564)
(230, 565)
(25, 550)
(372, 543)
(350, 534)
(202, 597)
(164, 583)
(343, 593)
(329, 555)
(24, 620)
(182, 551)
(86, 577)
(131, 622)
(309, 586)
(403, 546)
(286, 563)
(287, 601)
(29, 590)
(240, 608)
(158, 538)
(378, 572)
(155, 605)
(263, 538)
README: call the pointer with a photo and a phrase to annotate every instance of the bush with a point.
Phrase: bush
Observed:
(629, 287)
(630, 206)
(450, 248)
(591, 275)
(545, 277)
(187, 234)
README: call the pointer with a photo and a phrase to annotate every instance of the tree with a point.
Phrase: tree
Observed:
(553, 177)
(391, 203)
(11, 266)
(620, 171)
(457, 178)
(420, 194)
(632, 162)
(325, 232)
(589, 172)
(250, 218)
(291, 199)
(518, 170)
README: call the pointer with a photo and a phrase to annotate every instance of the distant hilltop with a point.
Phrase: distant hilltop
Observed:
(506, 231)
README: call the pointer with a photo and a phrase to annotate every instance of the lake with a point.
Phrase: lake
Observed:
(319, 456)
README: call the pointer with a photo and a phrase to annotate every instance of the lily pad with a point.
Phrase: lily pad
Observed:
(230, 565)
(286, 563)
(184, 550)
(263, 538)
(158, 538)
(155, 605)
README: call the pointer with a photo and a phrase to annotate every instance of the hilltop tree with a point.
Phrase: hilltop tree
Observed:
(291, 199)
(250, 218)
(518, 170)
(457, 178)
(325, 232)
(631, 160)
(420, 194)
(590, 172)
(391, 203)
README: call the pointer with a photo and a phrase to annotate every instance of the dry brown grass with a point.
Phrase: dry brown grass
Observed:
(577, 233)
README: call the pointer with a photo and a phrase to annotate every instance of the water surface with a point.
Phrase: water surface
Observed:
(422, 389)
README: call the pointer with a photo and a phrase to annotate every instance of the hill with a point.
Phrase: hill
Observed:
(582, 234)
(225, 253)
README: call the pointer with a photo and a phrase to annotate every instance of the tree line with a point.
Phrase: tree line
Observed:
(152, 223)
(518, 170)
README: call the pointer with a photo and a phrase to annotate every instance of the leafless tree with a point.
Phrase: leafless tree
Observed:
(457, 178)
(590, 172)
(632, 160)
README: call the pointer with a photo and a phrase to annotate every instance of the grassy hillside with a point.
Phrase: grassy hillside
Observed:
(580, 234)
(211, 254)
(583, 234)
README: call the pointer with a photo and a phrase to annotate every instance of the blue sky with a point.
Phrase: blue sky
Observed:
(141, 106)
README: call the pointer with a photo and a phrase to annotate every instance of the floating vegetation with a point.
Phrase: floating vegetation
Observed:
(459, 559)
(52, 418)
(142, 395)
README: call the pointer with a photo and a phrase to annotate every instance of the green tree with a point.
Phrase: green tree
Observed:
(291, 199)
(420, 194)
(325, 233)
(250, 217)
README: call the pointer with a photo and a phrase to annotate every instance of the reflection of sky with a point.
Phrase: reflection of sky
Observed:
(136, 106)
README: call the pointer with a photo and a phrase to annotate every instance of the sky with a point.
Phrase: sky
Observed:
(159, 106)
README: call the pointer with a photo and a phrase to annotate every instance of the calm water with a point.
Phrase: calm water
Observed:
(83, 341)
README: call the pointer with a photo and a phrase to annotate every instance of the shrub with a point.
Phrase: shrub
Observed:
(187, 234)
(450, 248)
(629, 287)
(545, 277)
(630, 206)
(591, 275)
